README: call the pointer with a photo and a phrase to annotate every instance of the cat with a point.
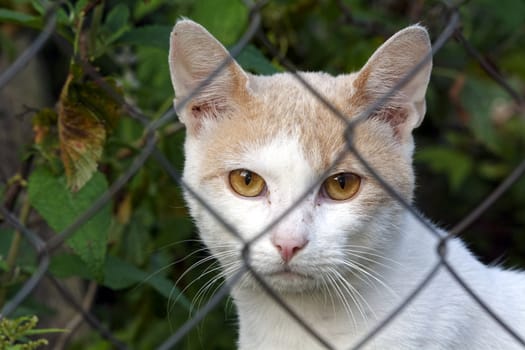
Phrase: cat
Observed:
(348, 253)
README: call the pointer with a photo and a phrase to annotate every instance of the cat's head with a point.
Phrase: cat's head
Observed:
(257, 144)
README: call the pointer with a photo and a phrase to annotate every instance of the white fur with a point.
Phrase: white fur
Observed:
(363, 256)
(443, 316)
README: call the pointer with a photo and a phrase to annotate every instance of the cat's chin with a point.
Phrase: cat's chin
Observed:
(283, 281)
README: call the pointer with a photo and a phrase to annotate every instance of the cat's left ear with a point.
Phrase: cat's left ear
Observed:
(386, 67)
(194, 55)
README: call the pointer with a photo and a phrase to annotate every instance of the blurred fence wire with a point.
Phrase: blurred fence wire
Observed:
(44, 249)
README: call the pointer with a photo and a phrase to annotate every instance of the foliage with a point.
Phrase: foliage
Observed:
(137, 245)
(14, 334)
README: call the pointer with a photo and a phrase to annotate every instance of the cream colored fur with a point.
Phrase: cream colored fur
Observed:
(363, 255)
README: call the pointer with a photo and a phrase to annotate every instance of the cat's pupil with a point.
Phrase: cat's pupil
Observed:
(342, 181)
(247, 177)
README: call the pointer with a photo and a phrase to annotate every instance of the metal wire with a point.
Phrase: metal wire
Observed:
(45, 249)
(22, 60)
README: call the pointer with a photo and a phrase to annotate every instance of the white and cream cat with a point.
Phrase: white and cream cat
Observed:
(348, 253)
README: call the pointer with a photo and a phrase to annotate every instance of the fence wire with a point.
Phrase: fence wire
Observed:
(44, 249)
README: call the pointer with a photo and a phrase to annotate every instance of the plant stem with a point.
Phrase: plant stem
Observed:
(12, 193)
(94, 27)
(14, 250)
(78, 34)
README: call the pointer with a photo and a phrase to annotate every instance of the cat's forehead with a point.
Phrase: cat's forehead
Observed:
(283, 110)
(299, 97)
(284, 122)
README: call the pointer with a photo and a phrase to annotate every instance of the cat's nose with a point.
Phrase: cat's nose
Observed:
(288, 246)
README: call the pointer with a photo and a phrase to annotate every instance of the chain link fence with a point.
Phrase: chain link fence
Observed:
(44, 249)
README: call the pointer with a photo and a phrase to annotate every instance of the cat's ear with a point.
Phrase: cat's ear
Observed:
(194, 55)
(386, 67)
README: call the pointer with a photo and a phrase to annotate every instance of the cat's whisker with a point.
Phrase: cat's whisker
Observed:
(214, 267)
(192, 267)
(225, 270)
(173, 301)
(328, 293)
(176, 243)
(200, 296)
(350, 249)
(369, 273)
(352, 293)
(359, 295)
(244, 280)
(363, 278)
(217, 280)
(360, 259)
(202, 293)
(342, 298)
(163, 268)
(326, 296)
(230, 253)
(373, 258)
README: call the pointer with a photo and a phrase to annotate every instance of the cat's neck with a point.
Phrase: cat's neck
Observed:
(346, 310)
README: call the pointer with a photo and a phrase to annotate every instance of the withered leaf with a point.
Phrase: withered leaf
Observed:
(43, 122)
(45, 133)
(86, 113)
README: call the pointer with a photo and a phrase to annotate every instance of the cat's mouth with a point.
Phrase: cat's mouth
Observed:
(289, 280)
(288, 273)
(285, 278)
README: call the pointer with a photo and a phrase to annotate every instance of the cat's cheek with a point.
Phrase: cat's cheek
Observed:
(247, 216)
(338, 224)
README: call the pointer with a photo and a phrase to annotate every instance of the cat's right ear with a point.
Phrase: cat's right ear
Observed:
(390, 63)
(194, 55)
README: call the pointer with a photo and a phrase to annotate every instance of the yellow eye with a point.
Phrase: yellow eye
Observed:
(341, 186)
(247, 183)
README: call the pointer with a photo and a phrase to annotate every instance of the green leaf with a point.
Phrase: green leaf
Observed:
(3, 264)
(117, 17)
(136, 238)
(155, 75)
(253, 60)
(513, 62)
(50, 196)
(11, 16)
(69, 265)
(117, 22)
(478, 97)
(120, 274)
(80, 6)
(62, 17)
(144, 8)
(26, 257)
(225, 19)
(38, 6)
(151, 36)
(46, 331)
(493, 170)
(452, 163)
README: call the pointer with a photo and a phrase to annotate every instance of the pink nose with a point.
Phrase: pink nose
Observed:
(288, 246)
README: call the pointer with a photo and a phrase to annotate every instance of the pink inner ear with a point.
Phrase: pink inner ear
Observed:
(395, 116)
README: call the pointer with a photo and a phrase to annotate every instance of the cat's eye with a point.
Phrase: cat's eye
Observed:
(341, 186)
(247, 183)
